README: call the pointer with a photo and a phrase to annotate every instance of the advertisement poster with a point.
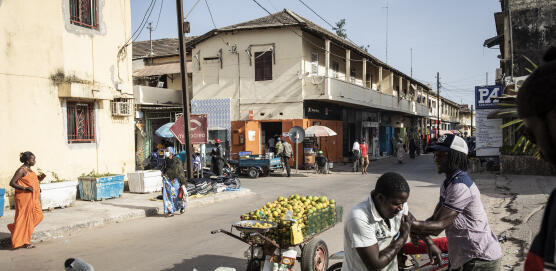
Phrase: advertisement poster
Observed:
(489, 134)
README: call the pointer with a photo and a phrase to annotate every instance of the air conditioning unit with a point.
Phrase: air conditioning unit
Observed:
(122, 107)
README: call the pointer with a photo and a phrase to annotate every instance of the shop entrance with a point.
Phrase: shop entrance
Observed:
(269, 132)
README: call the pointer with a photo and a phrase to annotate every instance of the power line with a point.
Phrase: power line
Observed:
(191, 10)
(159, 12)
(210, 13)
(146, 19)
(214, 24)
(140, 27)
(333, 27)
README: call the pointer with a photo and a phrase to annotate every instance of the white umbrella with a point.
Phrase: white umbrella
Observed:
(318, 131)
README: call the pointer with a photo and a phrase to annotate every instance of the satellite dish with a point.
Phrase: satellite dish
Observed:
(297, 134)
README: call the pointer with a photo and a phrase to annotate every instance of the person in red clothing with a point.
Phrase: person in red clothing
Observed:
(537, 107)
(364, 148)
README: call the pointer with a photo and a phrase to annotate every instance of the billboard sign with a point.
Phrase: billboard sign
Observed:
(198, 129)
(486, 97)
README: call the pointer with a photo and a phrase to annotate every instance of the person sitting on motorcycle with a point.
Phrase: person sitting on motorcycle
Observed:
(377, 228)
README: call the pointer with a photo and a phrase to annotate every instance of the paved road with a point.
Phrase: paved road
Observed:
(184, 242)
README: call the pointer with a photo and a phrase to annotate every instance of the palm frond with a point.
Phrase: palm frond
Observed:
(508, 124)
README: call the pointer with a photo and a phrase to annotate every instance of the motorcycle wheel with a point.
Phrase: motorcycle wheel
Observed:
(314, 256)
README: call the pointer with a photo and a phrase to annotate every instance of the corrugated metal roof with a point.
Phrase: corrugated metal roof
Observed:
(287, 17)
(161, 47)
(169, 68)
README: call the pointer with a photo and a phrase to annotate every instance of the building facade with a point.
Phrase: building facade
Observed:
(283, 70)
(66, 87)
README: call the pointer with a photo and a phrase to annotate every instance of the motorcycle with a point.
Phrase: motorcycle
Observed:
(417, 256)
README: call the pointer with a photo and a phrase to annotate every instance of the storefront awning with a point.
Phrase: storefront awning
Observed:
(168, 68)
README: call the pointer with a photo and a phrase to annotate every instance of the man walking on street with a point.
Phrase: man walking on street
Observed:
(356, 155)
(286, 155)
(537, 107)
(364, 148)
(460, 212)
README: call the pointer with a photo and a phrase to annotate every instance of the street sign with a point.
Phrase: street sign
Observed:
(198, 129)
(297, 134)
(486, 97)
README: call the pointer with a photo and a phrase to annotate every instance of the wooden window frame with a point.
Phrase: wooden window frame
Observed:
(263, 66)
(81, 122)
(84, 13)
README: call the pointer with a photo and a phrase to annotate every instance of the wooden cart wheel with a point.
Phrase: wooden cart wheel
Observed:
(253, 173)
(314, 256)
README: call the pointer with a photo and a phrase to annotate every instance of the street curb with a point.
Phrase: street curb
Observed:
(67, 230)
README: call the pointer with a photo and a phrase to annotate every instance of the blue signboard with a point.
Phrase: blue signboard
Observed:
(486, 97)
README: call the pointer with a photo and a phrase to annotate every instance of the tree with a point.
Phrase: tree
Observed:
(340, 30)
(365, 47)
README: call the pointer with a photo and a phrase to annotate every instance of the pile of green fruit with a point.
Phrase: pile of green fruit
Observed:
(313, 214)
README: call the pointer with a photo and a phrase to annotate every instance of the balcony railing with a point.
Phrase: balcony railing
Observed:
(339, 90)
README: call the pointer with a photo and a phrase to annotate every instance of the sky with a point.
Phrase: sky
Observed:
(446, 36)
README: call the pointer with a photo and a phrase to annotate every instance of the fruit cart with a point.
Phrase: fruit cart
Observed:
(275, 243)
(255, 165)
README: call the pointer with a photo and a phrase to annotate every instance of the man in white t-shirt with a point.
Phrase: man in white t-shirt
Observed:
(377, 228)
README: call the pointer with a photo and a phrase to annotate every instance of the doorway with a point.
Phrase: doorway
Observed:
(269, 130)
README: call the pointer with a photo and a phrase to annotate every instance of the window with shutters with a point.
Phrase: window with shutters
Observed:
(314, 63)
(81, 122)
(84, 13)
(263, 66)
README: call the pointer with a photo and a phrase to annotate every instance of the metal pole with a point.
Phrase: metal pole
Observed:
(438, 104)
(471, 120)
(185, 93)
(296, 151)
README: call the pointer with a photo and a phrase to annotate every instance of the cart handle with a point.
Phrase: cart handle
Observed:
(231, 235)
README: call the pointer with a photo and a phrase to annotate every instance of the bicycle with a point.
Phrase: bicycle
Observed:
(416, 252)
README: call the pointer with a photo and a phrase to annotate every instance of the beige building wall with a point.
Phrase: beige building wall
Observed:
(279, 98)
(47, 62)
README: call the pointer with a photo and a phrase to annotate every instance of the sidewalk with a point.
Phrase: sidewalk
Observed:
(88, 214)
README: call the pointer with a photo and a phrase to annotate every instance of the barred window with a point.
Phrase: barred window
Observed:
(84, 13)
(81, 122)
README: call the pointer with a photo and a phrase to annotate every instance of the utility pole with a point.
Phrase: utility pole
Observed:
(438, 104)
(471, 120)
(150, 28)
(411, 62)
(386, 7)
(185, 93)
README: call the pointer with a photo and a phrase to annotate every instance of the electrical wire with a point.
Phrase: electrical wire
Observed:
(191, 10)
(159, 12)
(144, 21)
(140, 28)
(214, 24)
(318, 15)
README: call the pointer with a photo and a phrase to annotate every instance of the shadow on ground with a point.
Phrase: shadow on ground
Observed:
(209, 263)
(5, 241)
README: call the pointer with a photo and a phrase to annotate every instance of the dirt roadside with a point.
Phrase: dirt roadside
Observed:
(514, 205)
